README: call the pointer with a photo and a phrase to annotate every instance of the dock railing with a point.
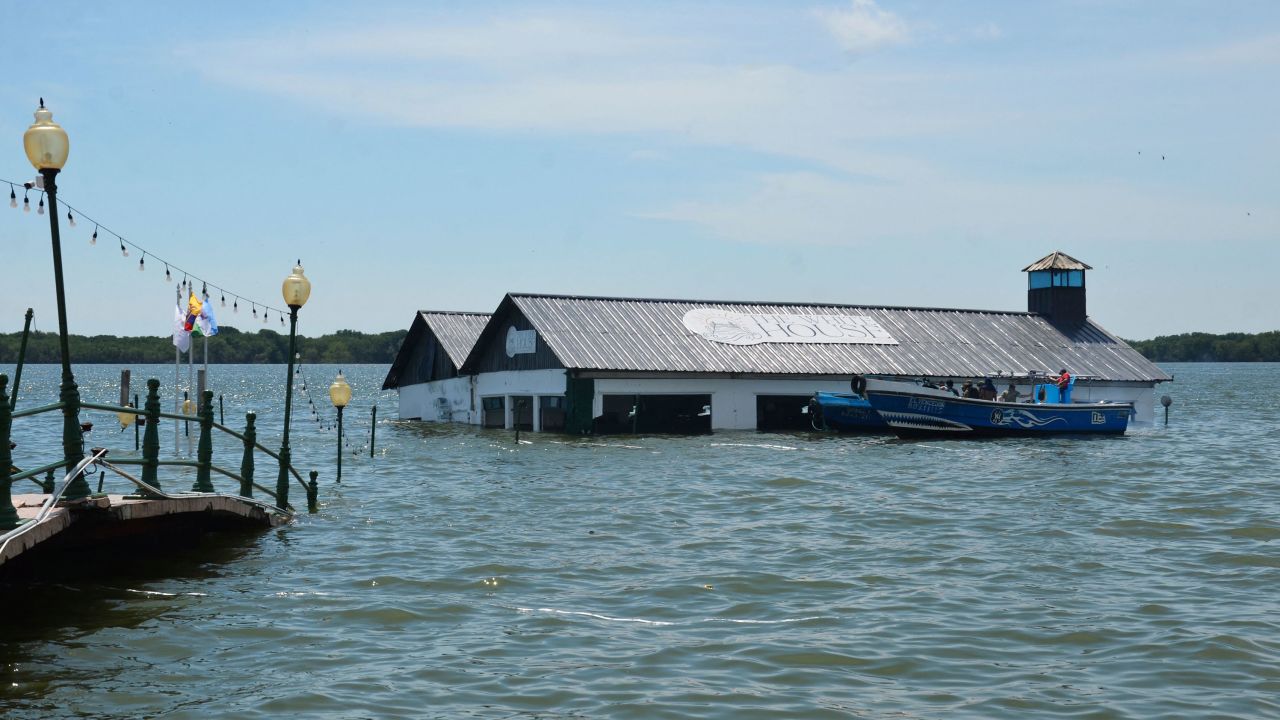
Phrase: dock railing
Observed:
(149, 483)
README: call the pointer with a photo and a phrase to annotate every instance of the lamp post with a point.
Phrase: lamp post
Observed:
(296, 289)
(340, 395)
(47, 147)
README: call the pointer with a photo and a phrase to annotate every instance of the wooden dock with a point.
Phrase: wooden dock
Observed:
(103, 519)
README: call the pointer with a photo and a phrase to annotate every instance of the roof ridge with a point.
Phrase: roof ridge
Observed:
(560, 296)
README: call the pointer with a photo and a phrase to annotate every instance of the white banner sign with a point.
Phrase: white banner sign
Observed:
(521, 342)
(734, 328)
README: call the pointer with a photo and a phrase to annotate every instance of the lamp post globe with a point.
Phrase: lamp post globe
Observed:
(46, 142)
(295, 289)
(47, 148)
(340, 395)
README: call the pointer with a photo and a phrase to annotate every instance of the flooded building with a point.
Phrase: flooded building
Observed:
(425, 371)
(603, 365)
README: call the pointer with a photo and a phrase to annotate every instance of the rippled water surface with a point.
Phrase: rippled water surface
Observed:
(736, 575)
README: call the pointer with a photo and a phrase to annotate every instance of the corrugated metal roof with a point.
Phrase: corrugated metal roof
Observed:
(456, 331)
(620, 334)
(1056, 260)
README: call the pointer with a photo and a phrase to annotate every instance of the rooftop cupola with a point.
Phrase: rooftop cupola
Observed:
(1055, 289)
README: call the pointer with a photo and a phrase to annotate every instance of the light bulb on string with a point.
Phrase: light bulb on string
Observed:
(124, 251)
(235, 306)
(255, 311)
(71, 219)
(40, 210)
(13, 197)
(224, 299)
(281, 320)
(142, 262)
(26, 201)
(167, 277)
(94, 239)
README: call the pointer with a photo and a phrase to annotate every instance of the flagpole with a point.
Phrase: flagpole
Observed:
(177, 380)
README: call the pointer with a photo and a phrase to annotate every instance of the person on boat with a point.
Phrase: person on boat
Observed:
(951, 387)
(988, 390)
(968, 390)
(1010, 394)
(1064, 380)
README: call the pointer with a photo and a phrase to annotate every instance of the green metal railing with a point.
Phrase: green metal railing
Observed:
(150, 461)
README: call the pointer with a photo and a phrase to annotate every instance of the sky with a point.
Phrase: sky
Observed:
(437, 155)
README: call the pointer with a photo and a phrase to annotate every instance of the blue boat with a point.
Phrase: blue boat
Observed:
(912, 410)
(844, 413)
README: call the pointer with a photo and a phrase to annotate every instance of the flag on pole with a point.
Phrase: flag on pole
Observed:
(181, 334)
(194, 306)
(206, 323)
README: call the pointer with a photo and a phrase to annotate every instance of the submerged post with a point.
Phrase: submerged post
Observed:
(313, 493)
(22, 358)
(373, 429)
(204, 452)
(8, 513)
(246, 462)
(222, 419)
(151, 438)
(137, 431)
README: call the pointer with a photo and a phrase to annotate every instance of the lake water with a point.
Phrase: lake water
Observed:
(736, 575)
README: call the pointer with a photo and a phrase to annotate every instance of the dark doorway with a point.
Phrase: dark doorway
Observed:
(495, 415)
(521, 412)
(782, 412)
(675, 414)
(552, 409)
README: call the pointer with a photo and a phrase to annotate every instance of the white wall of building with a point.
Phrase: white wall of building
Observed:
(439, 401)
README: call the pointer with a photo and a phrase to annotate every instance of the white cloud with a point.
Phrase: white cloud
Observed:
(987, 31)
(863, 27)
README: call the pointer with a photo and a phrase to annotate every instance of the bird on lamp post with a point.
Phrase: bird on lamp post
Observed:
(47, 147)
(296, 289)
(340, 395)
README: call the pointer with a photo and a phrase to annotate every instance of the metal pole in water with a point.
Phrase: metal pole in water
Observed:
(373, 427)
(136, 428)
(22, 358)
(1166, 401)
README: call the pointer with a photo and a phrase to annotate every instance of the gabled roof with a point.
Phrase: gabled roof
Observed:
(1056, 260)
(455, 331)
(641, 335)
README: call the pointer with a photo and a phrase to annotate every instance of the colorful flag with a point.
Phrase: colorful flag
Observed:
(207, 324)
(194, 306)
(181, 335)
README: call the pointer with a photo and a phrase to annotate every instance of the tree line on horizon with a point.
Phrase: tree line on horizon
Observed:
(351, 346)
(1207, 347)
(229, 346)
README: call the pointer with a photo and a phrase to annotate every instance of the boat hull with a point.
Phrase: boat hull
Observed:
(913, 412)
(846, 413)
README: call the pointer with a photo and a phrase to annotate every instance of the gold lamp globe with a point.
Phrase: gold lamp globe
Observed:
(46, 142)
(340, 391)
(296, 288)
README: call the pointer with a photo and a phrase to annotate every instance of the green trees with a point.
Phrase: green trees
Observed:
(229, 346)
(1205, 347)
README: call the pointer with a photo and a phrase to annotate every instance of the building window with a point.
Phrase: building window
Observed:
(495, 415)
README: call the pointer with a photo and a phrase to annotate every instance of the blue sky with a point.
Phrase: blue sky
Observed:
(437, 155)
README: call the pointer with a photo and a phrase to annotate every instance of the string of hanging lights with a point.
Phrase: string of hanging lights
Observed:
(322, 419)
(258, 309)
